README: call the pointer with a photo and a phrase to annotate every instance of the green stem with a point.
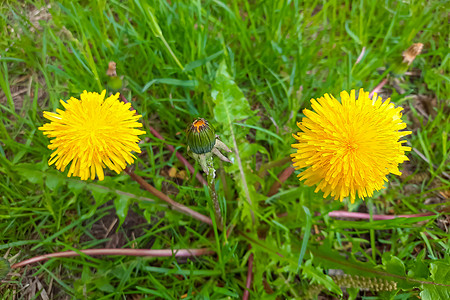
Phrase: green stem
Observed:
(212, 191)
(372, 231)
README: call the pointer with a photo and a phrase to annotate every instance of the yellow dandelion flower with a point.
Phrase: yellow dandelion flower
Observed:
(91, 134)
(349, 147)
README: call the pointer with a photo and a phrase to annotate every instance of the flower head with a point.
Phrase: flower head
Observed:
(91, 134)
(201, 137)
(203, 143)
(349, 147)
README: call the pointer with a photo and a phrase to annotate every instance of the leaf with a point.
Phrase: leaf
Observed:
(122, 204)
(197, 63)
(99, 193)
(231, 106)
(4, 267)
(433, 292)
(226, 292)
(31, 172)
(307, 227)
(440, 273)
(381, 224)
(350, 33)
(171, 81)
(102, 283)
(395, 265)
(76, 186)
(331, 259)
(260, 129)
(53, 181)
(420, 268)
(245, 188)
(316, 275)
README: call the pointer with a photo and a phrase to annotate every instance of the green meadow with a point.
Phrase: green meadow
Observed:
(249, 68)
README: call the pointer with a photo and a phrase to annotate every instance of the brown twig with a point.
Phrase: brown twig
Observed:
(177, 206)
(356, 215)
(125, 252)
(282, 177)
(249, 278)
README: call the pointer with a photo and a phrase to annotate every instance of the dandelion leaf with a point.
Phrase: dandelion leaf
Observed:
(230, 107)
(122, 204)
(440, 274)
(230, 103)
(316, 275)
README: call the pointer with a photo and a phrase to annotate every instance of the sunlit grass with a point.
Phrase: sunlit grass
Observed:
(279, 55)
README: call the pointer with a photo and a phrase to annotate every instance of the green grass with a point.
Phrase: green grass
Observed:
(278, 56)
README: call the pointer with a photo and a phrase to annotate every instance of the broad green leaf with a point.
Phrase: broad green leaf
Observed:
(32, 172)
(331, 259)
(76, 186)
(99, 193)
(395, 265)
(231, 104)
(122, 203)
(32, 176)
(440, 274)
(53, 181)
(102, 283)
(433, 292)
(420, 268)
(247, 189)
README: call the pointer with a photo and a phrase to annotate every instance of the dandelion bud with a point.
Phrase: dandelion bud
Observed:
(201, 137)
